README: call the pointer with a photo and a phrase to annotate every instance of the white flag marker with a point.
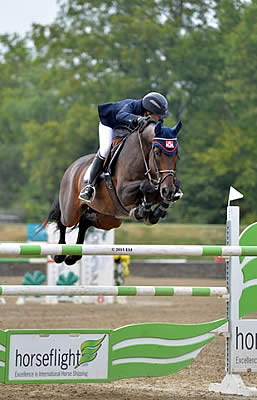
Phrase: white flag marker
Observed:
(234, 195)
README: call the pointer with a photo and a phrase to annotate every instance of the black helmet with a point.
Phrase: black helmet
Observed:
(156, 103)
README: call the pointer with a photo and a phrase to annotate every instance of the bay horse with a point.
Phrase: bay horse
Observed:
(140, 176)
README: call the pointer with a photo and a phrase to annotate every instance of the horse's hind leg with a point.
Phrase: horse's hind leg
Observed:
(59, 259)
(55, 216)
(84, 224)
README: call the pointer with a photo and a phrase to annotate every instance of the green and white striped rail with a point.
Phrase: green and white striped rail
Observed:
(159, 250)
(140, 250)
(24, 290)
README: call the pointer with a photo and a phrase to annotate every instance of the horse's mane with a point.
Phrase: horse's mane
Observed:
(121, 131)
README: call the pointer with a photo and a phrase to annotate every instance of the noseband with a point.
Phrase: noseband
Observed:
(155, 182)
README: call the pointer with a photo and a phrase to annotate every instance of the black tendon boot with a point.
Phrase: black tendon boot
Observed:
(88, 192)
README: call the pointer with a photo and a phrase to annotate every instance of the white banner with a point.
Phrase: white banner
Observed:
(58, 356)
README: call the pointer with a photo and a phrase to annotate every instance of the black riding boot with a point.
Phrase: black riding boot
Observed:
(88, 192)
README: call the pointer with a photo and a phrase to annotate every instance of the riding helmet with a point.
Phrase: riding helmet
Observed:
(156, 103)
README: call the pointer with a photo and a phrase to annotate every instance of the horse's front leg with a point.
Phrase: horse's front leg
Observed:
(143, 210)
(141, 194)
(160, 211)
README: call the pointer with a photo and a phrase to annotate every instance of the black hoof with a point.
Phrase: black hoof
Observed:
(152, 220)
(70, 260)
(59, 259)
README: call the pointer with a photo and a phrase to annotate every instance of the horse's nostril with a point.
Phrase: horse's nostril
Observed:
(167, 193)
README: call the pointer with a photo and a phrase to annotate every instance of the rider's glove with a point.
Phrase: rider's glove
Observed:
(140, 121)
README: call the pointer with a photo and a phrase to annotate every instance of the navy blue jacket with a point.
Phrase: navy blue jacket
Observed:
(120, 113)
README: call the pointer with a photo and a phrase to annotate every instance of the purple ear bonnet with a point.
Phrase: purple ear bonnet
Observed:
(166, 138)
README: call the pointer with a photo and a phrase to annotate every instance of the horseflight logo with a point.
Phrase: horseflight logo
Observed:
(89, 350)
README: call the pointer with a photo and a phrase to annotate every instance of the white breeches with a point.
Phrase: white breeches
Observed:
(106, 135)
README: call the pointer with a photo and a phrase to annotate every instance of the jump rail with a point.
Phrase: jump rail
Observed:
(139, 250)
(24, 290)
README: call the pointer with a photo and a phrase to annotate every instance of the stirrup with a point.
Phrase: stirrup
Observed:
(92, 198)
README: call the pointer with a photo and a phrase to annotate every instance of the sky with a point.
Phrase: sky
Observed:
(18, 15)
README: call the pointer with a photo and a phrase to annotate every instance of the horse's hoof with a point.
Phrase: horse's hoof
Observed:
(139, 213)
(59, 259)
(132, 214)
(152, 218)
(164, 214)
(70, 260)
(147, 222)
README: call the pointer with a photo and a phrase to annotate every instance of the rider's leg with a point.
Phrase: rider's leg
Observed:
(106, 135)
(105, 138)
(87, 193)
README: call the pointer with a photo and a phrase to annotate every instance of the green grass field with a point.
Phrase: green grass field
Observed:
(170, 234)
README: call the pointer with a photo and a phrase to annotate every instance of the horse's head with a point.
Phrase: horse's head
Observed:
(163, 157)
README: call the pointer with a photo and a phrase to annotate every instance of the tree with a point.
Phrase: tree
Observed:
(234, 153)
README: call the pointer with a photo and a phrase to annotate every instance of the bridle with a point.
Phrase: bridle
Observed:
(156, 183)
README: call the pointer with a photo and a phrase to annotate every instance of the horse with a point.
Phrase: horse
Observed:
(139, 176)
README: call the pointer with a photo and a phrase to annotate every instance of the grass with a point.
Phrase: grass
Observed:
(171, 234)
(142, 234)
(13, 233)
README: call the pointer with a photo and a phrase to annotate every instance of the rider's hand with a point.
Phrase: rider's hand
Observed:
(140, 121)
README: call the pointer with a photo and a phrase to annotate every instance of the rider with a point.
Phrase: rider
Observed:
(130, 113)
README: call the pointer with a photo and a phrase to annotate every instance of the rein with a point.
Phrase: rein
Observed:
(154, 182)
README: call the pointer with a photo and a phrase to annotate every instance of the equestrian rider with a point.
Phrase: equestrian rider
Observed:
(130, 113)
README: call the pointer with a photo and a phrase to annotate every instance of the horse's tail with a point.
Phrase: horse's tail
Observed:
(54, 214)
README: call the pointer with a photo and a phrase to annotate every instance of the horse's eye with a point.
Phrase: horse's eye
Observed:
(157, 152)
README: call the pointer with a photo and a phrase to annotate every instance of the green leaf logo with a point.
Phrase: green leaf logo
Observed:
(89, 350)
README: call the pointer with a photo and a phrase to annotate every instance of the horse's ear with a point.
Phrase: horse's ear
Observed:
(177, 127)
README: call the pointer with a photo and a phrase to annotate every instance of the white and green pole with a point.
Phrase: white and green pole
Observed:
(139, 250)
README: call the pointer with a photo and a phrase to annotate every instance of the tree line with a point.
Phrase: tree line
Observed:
(200, 54)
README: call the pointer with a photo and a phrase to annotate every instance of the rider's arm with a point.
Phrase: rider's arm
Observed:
(127, 115)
